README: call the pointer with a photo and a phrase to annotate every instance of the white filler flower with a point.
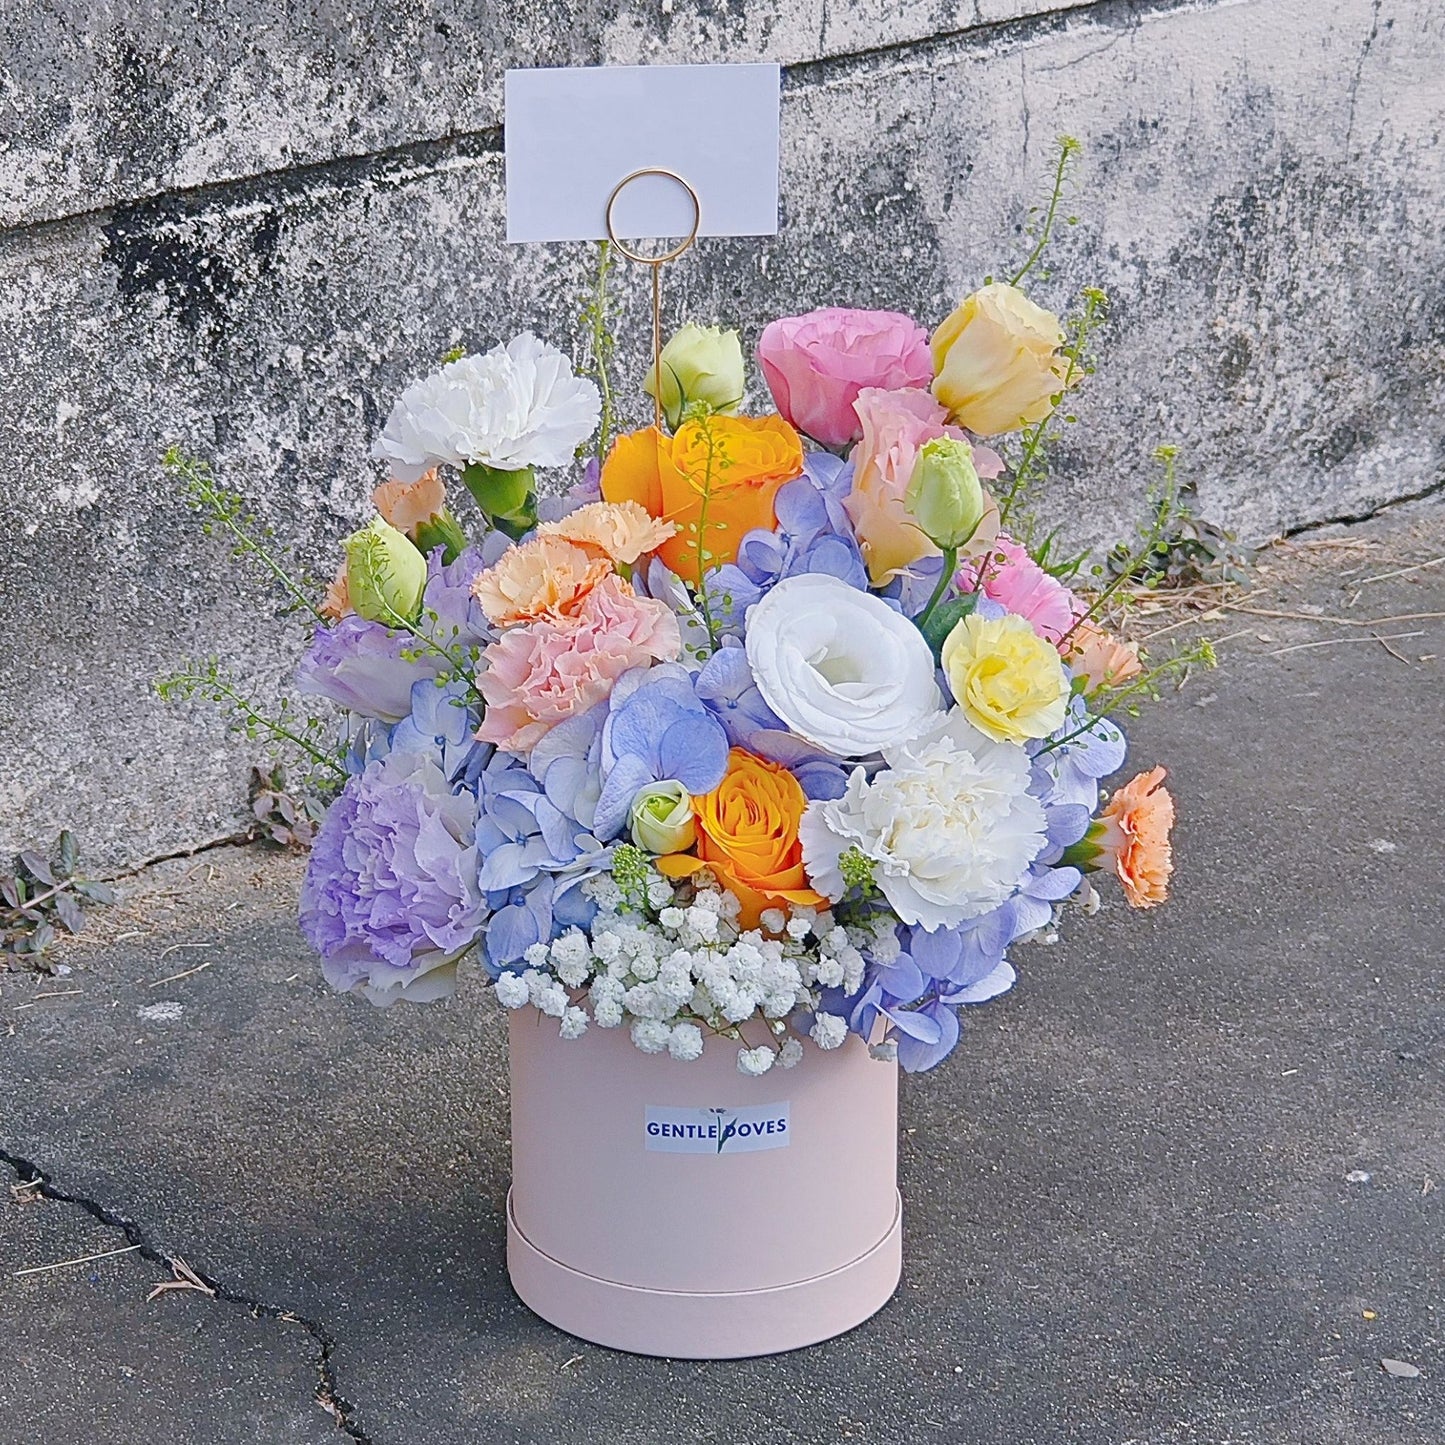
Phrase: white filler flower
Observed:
(949, 825)
(518, 406)
(840, 667)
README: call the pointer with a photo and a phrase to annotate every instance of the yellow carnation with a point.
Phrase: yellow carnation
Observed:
(1007, 679)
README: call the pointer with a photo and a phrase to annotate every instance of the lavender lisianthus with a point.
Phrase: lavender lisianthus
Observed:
(366, 668)
(391, 898)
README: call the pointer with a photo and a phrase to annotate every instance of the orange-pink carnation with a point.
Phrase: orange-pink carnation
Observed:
(544, 577)
(1100, 658)
(623, 531)
(538, 674)
(1135, 838)
(406, 505)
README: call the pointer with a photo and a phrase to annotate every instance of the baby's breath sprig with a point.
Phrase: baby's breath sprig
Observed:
(226, 509)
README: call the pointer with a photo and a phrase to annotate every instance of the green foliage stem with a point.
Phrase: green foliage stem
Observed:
(228, 510)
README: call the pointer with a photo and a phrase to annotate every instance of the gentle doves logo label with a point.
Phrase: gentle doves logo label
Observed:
(717, 1131)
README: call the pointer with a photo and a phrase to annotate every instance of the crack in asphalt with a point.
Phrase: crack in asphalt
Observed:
(328, 1397)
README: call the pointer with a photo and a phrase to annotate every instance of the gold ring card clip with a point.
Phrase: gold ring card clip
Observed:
(656, 263)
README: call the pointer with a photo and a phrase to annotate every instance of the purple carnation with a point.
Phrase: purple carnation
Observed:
(391, 899)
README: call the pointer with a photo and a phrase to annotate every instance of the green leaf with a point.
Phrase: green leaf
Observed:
(69, 853)
(69, 912)
(36, 867)
(945, 618)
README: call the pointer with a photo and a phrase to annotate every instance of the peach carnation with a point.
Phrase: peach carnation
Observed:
(337, 601)
(621, 530)
(1099, 657)
(547, 576)
(1135, 839)
(562, 664)
(406, 505)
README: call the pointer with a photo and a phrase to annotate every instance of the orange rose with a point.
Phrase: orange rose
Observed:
(1135, 838)
(747, 834)
(714, 481)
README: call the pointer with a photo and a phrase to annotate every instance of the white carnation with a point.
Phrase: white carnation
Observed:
(574, 1023)
(607, 1013)
(839, 666)
(949, 825)
(517, 406)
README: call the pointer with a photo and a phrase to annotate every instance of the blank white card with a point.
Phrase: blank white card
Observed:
(573, 134)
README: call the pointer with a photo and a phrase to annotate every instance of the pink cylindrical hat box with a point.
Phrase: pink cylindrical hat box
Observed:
(690, 1211)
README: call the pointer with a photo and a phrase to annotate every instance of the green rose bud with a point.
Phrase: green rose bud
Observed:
(385, 574)
(944, 493)
(700, 363)
(662, 818)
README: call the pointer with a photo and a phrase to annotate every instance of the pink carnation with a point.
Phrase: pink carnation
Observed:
(817, 364)
(539, 673)
(1014, 580)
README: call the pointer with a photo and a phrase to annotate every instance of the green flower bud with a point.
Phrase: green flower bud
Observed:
(700, 363)
(661, 819)
(385, 574)
(944, 493)
(442, 530)
(506, 497)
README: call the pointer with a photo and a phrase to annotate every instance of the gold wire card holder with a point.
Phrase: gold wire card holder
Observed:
(655, 263)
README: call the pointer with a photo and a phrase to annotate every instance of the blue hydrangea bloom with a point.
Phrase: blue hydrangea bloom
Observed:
(657, 730)
(813, 535)
(536, 856)
(726, 685)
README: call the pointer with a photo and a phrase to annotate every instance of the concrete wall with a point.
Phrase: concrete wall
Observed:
(245, 231)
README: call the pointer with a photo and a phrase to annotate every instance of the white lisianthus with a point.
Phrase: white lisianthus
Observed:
(949, 826)
(517, 406)
(840, 667)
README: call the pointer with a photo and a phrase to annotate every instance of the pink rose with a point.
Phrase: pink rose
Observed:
(895, 425)
(1013, 579)
(541, 672)
(817, 364)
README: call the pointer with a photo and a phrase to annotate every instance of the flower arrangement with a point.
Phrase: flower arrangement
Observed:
(771, 730)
